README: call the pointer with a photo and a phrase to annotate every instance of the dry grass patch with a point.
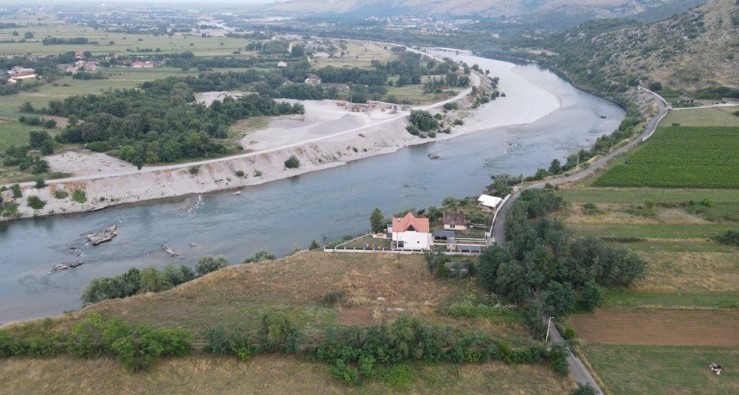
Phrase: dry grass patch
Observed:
(263, 374)
(659, 326)
(383, 284)
(691, 272)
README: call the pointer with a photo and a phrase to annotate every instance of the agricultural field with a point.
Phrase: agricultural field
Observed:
(680, 157)
(13, 133)
(661, 369)
(714, 116)
(665, 202)
(659, 326)
(103, 43)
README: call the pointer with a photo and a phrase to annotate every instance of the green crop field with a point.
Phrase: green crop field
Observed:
(681, 157)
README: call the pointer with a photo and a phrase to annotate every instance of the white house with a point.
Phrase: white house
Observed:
(411, 233)
(489, 203)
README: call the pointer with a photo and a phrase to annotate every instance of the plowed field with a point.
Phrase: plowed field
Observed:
(659, 326)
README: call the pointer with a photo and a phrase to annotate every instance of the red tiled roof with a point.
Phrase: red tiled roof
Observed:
(410, 222)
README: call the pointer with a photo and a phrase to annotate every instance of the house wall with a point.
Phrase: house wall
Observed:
(454, 227)
(414, 240)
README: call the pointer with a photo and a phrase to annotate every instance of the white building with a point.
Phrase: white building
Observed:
(411, 233)
(489, 203)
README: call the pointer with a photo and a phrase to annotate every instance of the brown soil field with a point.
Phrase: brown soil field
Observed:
(659, 326)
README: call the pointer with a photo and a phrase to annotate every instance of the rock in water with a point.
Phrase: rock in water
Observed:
(101, 237)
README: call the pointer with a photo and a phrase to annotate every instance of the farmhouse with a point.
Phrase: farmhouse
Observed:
(313, 80)
(281, 64)
(411, 233)
(489, 203)
(454, 221)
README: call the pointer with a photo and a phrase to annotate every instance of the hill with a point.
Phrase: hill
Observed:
(587, 9)
(695, 50)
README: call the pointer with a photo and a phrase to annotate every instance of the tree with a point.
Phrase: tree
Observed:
(28, 35)
(293, 162)
(209, 264)
(377, 221)
(655, 86)
(560, 299)
(591, 296)
(555, 167)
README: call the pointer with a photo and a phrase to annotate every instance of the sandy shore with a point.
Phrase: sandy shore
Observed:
(325, 136)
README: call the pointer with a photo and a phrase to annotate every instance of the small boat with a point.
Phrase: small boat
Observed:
(602, 117)
(434, 155)
(76, 264)
(60, 266)
(238, 192)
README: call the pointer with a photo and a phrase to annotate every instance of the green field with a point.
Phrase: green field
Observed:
(119, 43)
(14, 133)
(635, 299)
(681, 157)
(653, 231)
(715, 116)
(628, 369)
(639, 195)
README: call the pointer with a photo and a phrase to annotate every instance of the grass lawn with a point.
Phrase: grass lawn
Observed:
(269, 374)
(628, 369)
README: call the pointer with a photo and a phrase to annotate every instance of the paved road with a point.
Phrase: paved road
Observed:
(577, 368)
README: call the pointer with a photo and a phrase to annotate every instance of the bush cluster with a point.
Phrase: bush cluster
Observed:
(135, 346)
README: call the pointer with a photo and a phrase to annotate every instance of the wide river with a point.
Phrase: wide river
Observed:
(283, 215)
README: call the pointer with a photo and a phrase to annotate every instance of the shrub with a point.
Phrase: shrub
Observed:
(16, 191)
(194, 169)
(257, 173)
(293, 162)
(584, 390)
(61, 194)
(79, 196)
(591, 209)
(40, 183)
(314, 245)
(730, 237)
(209, 264)
(240, 173)
(332, 298)
(260, 256)
(275, 330)
(35, 203)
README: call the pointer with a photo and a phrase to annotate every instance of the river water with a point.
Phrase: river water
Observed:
(283, 215)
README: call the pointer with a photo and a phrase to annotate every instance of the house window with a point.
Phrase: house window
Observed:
(451, 226)
(401, 244)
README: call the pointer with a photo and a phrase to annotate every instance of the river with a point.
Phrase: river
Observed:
(284, 215)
